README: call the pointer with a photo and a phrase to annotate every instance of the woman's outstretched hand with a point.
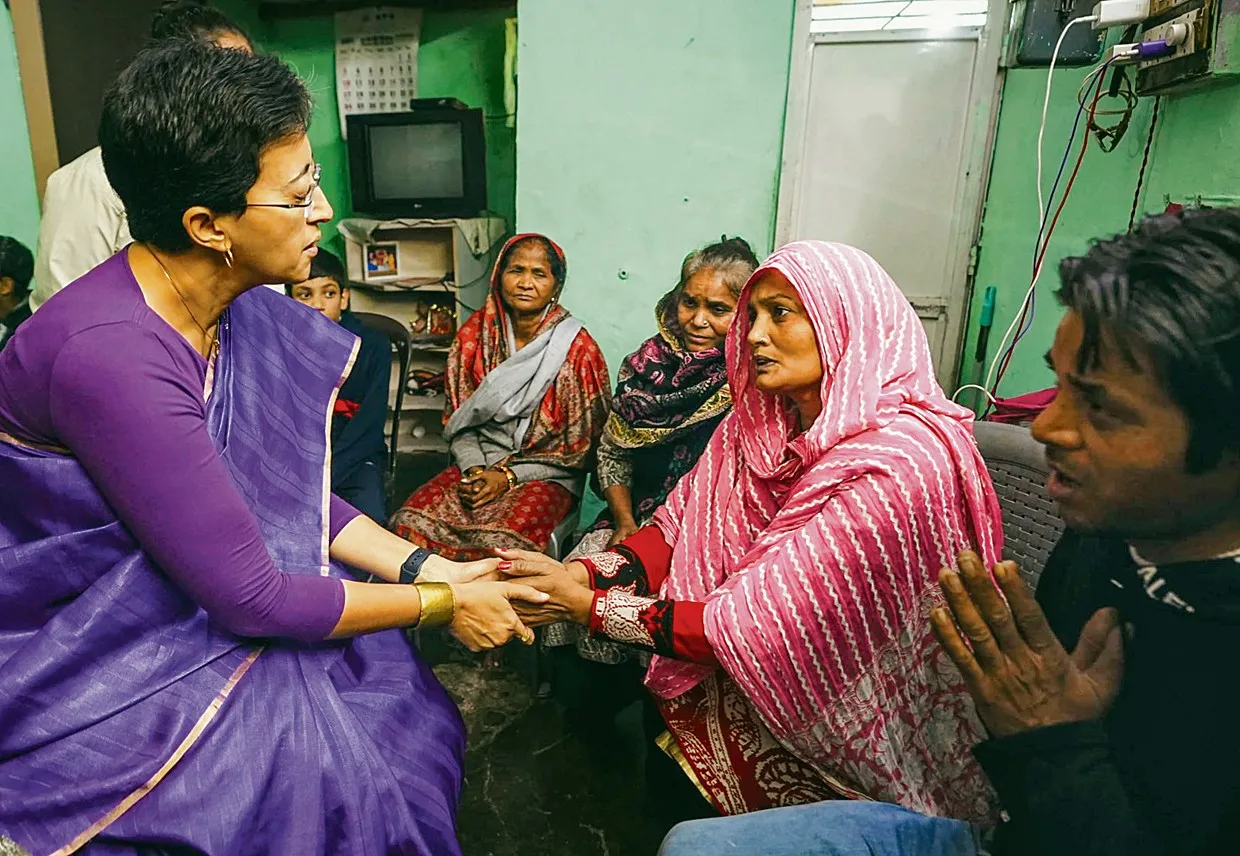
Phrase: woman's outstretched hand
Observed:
(485, 616)
(437, 569)
(567, 586)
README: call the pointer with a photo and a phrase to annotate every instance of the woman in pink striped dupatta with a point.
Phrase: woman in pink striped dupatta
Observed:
(786, 584)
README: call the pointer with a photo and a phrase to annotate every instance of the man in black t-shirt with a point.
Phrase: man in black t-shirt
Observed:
(1125, 745)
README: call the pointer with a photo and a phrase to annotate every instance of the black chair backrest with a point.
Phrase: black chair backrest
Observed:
(1017, 465)
(398, 334)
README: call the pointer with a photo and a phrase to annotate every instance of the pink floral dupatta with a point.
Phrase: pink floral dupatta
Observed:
(818, 553)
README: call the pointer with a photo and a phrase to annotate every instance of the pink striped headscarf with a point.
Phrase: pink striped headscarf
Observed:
(817, 553)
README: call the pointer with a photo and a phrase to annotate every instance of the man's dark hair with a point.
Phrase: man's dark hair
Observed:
(329, 265)
(1170, 291)
(17, 263)
(192, 19)
(185, 125)
(559, 268)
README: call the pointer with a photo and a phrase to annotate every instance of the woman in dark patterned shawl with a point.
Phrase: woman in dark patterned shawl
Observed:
(671, 394)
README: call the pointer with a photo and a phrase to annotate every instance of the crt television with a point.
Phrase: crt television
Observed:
(429, 162)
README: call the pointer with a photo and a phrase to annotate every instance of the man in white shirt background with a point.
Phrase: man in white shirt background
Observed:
(84, 222)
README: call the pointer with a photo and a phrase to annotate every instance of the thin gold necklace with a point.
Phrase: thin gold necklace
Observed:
(208, 338)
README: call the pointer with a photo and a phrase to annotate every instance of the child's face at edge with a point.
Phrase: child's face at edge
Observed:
(324, 294)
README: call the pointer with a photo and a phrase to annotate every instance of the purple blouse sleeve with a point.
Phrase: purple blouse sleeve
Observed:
(339, 515)
(134, 417)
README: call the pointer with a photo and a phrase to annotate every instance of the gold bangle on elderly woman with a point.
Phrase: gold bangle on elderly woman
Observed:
(507, 473)
(438, 604)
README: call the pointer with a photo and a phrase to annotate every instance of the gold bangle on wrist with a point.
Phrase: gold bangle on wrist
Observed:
(508, 474)
(438, 604)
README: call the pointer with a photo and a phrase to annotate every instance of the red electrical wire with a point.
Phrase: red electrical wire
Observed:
(1046, 242)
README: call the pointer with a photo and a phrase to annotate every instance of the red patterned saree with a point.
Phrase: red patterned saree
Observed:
(555, 438)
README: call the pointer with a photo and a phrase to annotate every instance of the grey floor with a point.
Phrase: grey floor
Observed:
(562, 776)
(536, 785)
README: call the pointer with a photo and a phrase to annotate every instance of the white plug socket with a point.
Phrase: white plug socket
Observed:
(1118, 13)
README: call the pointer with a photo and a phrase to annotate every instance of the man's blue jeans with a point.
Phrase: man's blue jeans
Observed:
(834, 828)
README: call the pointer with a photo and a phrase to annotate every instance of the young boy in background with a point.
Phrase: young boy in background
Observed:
(16, 269)
(359, 452)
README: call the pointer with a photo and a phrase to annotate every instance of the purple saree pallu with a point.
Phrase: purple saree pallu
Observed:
(129, 723)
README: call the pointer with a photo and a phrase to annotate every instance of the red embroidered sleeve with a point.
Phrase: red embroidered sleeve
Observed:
(623, 578)
(638, 564)
(669, 628)
(619, 569)
(651, 549)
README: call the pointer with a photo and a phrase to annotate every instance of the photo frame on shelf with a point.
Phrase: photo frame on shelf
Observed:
(382, 261)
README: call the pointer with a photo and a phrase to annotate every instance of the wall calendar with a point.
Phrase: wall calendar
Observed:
(376, 60)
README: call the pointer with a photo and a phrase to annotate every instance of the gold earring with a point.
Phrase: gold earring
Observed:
(228, 257)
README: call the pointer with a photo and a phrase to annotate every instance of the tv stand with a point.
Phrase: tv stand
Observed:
(442, 262)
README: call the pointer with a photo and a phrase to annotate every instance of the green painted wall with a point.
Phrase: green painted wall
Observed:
(646, 131)
(461, 55)
(1194, 152)
(19, 211)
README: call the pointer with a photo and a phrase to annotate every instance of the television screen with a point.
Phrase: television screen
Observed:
(429, 162)
(417, 161)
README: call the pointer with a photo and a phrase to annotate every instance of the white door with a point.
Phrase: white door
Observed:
(886, 148)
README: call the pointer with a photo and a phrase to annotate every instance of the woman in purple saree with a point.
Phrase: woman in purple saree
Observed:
(185, 665)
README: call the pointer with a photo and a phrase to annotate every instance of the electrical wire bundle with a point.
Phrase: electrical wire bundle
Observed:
(1047, 223)
(1049, 211)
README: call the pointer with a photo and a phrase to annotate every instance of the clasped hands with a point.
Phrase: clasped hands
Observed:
(1016, 670)
(480, 486)
(488, 608)
(566, 586)
(500, 599)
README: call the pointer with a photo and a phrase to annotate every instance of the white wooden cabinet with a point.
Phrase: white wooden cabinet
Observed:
(446, 262)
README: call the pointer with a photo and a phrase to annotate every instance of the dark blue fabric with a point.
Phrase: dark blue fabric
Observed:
(358, 439)
(363, 489)
(10, 322)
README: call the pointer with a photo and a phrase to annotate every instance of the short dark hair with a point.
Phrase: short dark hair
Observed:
(1170, 291)
(185, 124)
(559, 267)
(17, 263)
(192, 19)
(325, 264)
(328, 264)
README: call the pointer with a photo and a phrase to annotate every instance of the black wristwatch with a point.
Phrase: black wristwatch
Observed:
(412, 566)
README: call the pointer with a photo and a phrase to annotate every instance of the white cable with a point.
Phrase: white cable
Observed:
(1046, 103)
(1085, 81)
(994, 362)
(982, 389)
